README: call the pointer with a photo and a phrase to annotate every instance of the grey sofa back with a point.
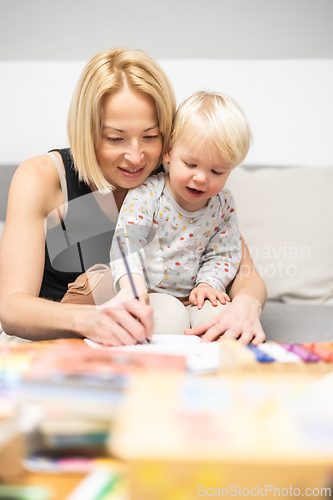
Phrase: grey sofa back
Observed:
(6, 174)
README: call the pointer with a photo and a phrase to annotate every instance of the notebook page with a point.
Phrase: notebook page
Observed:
(200, 357)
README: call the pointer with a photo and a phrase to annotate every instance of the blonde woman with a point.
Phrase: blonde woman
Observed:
(63, 207)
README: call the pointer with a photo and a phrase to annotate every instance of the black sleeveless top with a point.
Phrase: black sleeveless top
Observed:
(81, 240)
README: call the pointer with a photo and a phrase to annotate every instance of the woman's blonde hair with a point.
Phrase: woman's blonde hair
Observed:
(105, 74)
(211, 118)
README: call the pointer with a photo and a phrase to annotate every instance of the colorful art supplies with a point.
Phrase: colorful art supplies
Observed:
(261, 356)
(305, 355)
(279, 353)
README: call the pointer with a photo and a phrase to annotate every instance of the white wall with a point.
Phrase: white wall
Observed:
(172, 29)
(289, 104)
(273, 56)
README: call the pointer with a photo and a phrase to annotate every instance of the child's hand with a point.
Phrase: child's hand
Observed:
(204, 291)
(126, 293)
(126, 288)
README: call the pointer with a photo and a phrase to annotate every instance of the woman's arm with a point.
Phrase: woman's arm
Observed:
(248, 281)
(241, 319)
(35, 192)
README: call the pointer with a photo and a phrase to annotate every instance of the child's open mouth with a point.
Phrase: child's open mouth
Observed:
(195, 192)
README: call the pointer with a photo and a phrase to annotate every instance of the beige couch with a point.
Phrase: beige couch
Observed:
(286, 217)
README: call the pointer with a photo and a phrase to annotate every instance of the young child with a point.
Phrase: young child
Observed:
(179, 229)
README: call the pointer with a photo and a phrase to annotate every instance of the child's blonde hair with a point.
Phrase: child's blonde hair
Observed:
(215, 119)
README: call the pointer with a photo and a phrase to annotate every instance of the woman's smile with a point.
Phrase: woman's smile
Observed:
(132, 173)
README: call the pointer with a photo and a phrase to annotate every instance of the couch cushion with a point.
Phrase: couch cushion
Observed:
(297, 323)
(6, 174)
(285, 216)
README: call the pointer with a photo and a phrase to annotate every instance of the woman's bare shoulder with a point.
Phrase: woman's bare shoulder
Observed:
(40, 167)
(37, 179)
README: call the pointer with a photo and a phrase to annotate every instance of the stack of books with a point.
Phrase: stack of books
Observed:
(65, 398)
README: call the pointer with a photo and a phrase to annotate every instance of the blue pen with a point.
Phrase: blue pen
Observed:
(127, 269)
(135, 293)
(261, 356)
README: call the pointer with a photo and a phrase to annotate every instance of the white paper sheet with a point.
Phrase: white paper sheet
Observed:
(200, 357)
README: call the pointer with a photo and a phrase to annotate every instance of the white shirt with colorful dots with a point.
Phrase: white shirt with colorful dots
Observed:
(175, 250)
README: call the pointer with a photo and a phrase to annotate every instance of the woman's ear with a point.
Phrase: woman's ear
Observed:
(166, 156)
(166, 159)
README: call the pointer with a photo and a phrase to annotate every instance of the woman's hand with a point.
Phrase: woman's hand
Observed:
(241, 320)
(204, 291)
(122, 320)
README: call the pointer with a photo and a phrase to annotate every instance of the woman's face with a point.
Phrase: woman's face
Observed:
(131, 142)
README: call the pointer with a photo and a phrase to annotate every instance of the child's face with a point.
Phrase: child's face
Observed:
(196, 174)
